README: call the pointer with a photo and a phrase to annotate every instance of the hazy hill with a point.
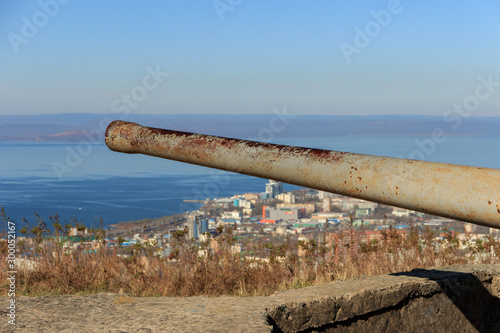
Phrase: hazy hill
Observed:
(72, 126)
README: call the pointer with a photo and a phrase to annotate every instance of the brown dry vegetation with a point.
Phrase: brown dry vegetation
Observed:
(191, 270)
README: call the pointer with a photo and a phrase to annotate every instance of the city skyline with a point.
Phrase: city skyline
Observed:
(242, 57)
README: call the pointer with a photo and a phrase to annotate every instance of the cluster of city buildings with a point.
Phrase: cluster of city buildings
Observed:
(305, 214)
(274, 207)
(316, 215)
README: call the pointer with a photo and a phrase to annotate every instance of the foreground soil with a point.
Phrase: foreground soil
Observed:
(120, 313)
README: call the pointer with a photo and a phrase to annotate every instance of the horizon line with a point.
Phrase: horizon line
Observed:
(236, 114)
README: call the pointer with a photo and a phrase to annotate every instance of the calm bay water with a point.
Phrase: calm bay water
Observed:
(48, 179)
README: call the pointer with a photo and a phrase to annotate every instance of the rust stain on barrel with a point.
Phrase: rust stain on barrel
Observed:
(435, 188)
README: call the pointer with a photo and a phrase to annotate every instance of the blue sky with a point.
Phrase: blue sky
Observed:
(242, 56)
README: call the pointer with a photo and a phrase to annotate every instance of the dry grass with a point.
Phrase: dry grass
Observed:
(189, 273)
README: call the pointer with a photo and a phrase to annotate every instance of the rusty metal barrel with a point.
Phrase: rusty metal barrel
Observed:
(464, 193)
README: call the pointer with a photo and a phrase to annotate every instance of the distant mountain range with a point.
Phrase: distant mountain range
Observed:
(74, 127)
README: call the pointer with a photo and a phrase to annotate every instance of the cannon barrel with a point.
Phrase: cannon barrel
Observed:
(465, 193)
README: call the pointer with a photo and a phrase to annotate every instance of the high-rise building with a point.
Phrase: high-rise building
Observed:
(273, 188)
(202, 225)
(197, 225)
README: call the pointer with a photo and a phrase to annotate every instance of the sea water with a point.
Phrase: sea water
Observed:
(65, 179)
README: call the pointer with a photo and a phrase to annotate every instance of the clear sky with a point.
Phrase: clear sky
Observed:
(249, 56)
